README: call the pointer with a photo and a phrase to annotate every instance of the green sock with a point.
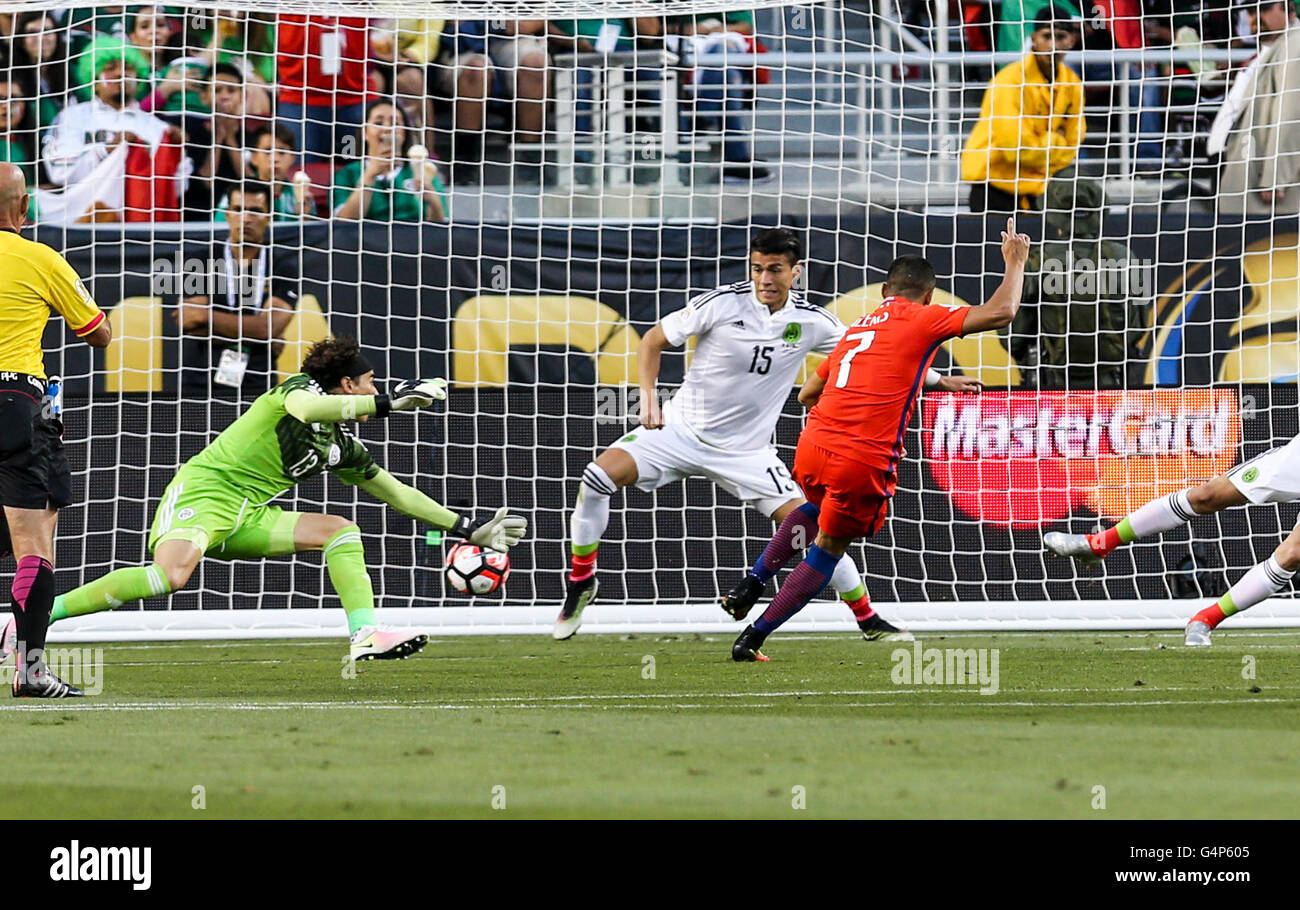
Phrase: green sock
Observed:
(1125, 531)
(1226, 604)
(345, 559)
(113, 590)
(855, 595)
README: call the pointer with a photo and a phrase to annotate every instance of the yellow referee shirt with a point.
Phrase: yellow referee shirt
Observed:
(33, 280)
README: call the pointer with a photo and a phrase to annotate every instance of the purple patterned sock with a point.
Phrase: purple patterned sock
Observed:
(803, 584)
(781, 547)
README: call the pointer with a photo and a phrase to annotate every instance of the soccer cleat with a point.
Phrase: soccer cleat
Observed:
(1075, 545)
(39, 682)
(578, 595)
(1197, 635)
(741, 599)
(877, 628)
(374, 643)
(747, 645)
(8, 640)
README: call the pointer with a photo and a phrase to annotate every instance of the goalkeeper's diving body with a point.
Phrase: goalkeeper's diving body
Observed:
(219, 502)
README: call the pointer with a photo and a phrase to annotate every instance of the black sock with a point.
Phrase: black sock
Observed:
(32, 595)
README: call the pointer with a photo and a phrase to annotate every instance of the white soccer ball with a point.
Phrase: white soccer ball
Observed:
(473, 570)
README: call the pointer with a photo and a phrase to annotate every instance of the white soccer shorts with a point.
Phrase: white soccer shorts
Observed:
(1273, 476)
(757, 477)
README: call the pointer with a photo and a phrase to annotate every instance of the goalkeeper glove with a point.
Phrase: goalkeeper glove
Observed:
(410, 394)
(500, 532)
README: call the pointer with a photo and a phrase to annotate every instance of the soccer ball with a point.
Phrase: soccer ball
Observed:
(473, 570)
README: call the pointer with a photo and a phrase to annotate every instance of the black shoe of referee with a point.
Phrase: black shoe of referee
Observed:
(39, 682)
(741, 599)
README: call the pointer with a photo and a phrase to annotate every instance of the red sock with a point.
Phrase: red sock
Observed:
(1211, 615)
(1104, 541)
(862, 609)
(583, 566)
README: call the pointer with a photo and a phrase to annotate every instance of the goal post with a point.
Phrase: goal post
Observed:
(513, 206)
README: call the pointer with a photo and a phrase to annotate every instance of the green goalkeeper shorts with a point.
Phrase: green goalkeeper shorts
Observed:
(220, 524)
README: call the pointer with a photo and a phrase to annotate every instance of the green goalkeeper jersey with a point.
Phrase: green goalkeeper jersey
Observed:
(268, 450)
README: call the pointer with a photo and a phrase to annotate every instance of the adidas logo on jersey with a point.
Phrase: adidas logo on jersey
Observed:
(739, 323)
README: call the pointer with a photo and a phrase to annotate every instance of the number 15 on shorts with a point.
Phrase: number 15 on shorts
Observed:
(781, 479)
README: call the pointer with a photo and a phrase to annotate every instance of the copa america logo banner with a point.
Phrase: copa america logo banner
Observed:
(1025, 459)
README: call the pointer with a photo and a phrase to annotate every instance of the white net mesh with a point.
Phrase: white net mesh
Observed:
(512, 197)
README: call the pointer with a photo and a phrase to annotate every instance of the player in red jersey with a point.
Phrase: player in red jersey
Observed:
(862, 398)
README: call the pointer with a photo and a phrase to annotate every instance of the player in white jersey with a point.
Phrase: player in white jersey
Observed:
(751, 339)
(1273, 476)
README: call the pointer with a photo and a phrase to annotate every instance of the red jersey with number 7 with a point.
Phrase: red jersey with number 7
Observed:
(873, 378)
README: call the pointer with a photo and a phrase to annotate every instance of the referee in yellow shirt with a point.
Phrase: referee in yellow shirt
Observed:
(34, 477)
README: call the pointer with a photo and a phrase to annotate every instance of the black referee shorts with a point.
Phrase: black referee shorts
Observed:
(34, 472)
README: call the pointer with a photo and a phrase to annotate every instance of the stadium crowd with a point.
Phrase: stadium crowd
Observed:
(1239, 120)
(156, 112)
(174, 106)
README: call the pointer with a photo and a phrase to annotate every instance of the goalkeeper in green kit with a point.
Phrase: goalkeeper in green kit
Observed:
(218, 504)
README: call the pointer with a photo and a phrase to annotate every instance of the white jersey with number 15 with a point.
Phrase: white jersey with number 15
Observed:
(745, 362)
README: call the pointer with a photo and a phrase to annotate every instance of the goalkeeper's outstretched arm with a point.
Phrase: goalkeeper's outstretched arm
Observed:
(501, 532)
(310, 407)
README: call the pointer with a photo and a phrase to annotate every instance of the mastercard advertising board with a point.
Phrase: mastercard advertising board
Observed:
(1024, 459)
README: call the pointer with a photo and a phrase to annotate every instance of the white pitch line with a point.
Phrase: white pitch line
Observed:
(834, 693)
(159, 645)
(983, 702)
(489, 701)
(255, 660)
(1220, 647)
(989, 702)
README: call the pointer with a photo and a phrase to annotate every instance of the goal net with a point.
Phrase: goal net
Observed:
(511, 195)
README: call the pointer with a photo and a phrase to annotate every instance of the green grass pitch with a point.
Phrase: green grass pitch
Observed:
(668, 726)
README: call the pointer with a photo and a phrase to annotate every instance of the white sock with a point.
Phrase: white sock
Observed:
(1163, 514)
(591, 512)
(1260, 583)
(845, 578)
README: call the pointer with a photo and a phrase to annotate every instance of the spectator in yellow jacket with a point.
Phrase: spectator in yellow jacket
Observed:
(1031, 122)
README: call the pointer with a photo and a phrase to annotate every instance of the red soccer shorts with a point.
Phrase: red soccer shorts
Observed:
(853, 497)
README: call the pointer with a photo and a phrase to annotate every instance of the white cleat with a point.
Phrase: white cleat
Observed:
(1073, 545)
(1197, 635)
(8, 640)
(374, 643)
(578, 596)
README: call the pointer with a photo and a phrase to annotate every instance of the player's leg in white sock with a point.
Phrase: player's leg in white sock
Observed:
(1160, 515)
(1156, 517)
(846, 581)
(586, 526)
(1260, 583)
(853, 591)
(589, 520)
